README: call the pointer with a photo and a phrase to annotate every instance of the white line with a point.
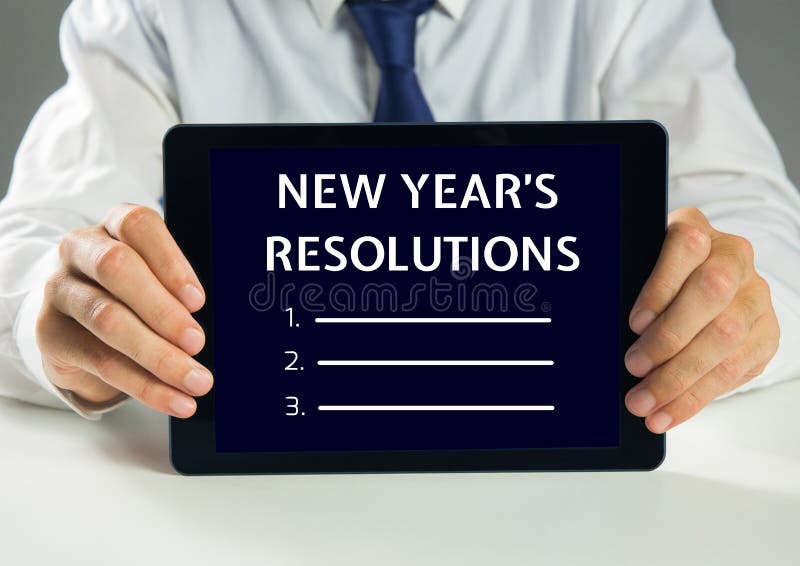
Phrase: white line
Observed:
(436, 407)
(435, 362)
(432, 320)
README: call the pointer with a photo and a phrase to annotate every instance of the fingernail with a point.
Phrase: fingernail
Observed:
(659, 422)
(637, 362)
(198, 381)
(642, 320)
(191, 297)
(640, 402)
(182, 406)
(191, 341)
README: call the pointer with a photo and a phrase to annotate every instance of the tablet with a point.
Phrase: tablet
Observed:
(408, 298)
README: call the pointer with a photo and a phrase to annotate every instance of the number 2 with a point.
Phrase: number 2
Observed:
(290, 365)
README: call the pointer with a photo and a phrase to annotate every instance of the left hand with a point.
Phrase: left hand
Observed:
(705, 321)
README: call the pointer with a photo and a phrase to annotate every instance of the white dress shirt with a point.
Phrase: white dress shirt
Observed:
(136, 67)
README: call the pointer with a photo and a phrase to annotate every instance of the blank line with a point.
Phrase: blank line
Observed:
(435, 362)
(432, 320)
(436, 407)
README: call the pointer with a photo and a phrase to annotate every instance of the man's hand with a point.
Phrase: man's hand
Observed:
(705, 321)
(116, 315)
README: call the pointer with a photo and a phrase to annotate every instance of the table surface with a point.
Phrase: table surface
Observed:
(74, 491)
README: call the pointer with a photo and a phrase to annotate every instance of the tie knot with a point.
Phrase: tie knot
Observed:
(390, 28)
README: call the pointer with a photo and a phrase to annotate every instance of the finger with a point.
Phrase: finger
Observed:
(712, 345)
(79, 348)
(686, 246)
(122, 271)
(144, 230)
(59, 370)
(708, 290)
(744, 364)
(118, 327)
(89, 388)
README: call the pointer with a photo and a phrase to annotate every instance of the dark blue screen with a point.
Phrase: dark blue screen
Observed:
(493, 358)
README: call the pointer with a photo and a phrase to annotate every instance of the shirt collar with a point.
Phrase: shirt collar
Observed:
(325, 10)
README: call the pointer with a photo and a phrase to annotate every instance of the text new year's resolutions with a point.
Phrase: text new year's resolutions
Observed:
(371, 252)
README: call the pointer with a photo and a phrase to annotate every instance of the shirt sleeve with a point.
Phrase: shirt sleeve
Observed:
(675, 64)
(94, 143)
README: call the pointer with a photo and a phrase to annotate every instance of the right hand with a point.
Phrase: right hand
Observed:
(116, 317)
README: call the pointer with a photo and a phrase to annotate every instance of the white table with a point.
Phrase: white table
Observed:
(80, 492)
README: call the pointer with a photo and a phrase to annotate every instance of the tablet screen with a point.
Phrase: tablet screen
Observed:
(416, 298)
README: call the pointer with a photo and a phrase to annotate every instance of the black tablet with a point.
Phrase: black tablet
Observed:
(408, 298)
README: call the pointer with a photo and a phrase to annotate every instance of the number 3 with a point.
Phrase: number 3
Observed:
(292, 403)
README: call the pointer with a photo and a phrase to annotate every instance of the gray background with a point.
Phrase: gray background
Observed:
(764, 33)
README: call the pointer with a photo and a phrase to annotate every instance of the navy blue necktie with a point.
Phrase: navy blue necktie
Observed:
(390, 28)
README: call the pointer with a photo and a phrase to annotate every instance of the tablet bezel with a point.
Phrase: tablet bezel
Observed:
(643, 202)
